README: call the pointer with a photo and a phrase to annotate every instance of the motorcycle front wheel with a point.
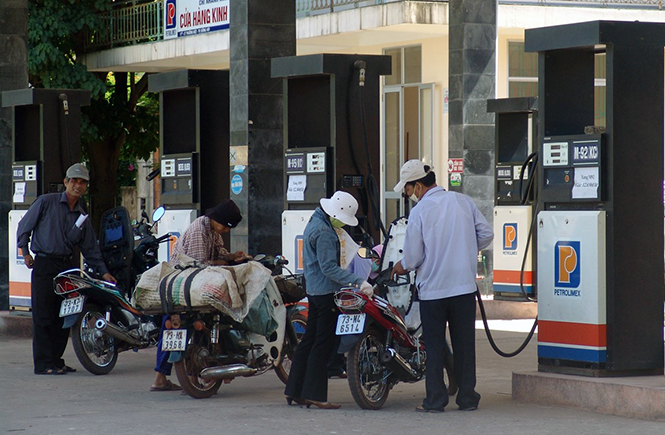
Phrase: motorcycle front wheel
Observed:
(368, 378)
(96, 351)
(283, 369)
(197, 357)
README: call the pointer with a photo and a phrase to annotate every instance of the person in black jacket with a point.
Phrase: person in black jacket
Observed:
(54, 225)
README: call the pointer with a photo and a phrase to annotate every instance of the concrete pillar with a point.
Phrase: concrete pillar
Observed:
(472, 79)
(259, 30)
(13, 75)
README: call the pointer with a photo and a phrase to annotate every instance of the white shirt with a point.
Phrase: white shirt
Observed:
(444, 233)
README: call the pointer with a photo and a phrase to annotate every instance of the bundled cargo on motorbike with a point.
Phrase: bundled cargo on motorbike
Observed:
(242, 292)
(225, 321)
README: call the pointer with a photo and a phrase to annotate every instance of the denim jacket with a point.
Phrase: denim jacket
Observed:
(323, 274)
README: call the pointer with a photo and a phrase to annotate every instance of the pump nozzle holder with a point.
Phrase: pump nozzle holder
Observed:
(65, 103)
(360, 65)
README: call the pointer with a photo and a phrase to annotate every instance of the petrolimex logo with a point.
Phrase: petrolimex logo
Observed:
(170, 14)
(510, 239)
(567, 260)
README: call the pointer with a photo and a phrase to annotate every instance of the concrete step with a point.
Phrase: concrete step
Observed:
(634, 396)
(16, 324)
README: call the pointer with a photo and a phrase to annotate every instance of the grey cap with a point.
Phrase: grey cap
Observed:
(77, 170)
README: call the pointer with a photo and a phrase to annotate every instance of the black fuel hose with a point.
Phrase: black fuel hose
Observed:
(489, 333)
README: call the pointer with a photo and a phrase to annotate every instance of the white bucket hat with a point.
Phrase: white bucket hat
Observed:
(411, 171)
(342, 206)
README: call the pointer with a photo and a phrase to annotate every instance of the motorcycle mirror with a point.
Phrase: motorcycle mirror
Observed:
(364, 252)
(158, 213)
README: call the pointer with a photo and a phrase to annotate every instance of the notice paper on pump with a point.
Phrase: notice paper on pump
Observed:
(19, 192)
(296, 188)
(586, 183)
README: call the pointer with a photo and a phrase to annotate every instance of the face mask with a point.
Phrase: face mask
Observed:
(413, 196)
(375, 267)
(336, 223)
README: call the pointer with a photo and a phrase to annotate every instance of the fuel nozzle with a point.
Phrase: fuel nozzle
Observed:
(361, 66)
(65, 103)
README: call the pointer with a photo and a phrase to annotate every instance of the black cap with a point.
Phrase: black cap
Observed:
(227, 213)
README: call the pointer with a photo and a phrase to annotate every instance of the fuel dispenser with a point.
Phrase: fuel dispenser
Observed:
(194, 147)
(516, 121)
(331, 137)
(46, 140)
(600, 231)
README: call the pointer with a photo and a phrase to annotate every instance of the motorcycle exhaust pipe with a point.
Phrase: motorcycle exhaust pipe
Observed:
(398, 365)
(227, 372)
(115, 332)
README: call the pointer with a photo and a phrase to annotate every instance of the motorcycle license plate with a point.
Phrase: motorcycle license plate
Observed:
(350, 324)
(174, 339)
(71, 306)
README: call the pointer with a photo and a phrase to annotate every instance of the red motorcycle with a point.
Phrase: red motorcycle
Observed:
(383, 348)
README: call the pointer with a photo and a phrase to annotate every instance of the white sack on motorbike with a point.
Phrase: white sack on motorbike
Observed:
(214, 286)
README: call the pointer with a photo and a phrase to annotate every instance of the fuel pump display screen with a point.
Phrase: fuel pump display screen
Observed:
(572, 168)
(306, 171)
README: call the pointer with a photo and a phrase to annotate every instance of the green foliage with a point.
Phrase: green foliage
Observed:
(56, 30)
(121, 124)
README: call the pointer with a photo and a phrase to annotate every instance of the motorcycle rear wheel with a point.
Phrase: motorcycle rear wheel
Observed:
(284, 368)
(368, 378)
(96, 351)
(196, 359)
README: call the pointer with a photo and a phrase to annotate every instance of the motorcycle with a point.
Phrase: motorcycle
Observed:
(104, 322)
(382, 333)
(383, 350)
(209, 347)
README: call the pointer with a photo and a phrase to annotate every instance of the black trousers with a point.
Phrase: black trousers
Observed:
(49, 340)
(459, 313)
(308, 378)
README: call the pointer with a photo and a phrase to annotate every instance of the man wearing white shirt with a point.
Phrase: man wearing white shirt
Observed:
(445, 231)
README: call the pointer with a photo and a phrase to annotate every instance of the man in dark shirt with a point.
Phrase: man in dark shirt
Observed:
(57, 223)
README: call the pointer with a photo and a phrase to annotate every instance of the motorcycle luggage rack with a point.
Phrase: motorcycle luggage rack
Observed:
(70, 281)
(348, 300)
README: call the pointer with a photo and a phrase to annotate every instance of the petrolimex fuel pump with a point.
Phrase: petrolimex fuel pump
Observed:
(331, 138)
(194, 147)
(600, 228)
(515, 132)
(46, 140)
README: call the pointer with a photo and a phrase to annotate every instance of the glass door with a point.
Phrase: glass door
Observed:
(393, 150)
(408, 134)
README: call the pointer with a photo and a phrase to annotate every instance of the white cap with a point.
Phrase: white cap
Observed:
(341, 206)
(411, 171)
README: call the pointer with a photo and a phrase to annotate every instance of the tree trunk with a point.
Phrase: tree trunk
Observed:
(103, 188)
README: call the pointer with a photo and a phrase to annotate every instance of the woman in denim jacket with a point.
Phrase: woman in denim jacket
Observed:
(308, 378)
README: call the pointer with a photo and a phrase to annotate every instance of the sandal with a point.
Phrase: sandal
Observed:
(68, 369)
(51, 371)
(169, 386)
(322, 405)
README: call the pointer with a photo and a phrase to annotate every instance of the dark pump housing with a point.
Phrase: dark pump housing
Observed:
(331, 126)
(194, 135)
(46, 139)
(616, 179)
(516, 136)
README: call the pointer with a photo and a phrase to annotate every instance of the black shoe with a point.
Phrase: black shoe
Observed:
(421, 408)
(68, 369)
(341, 375)
(51, 371)
(468, 408)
